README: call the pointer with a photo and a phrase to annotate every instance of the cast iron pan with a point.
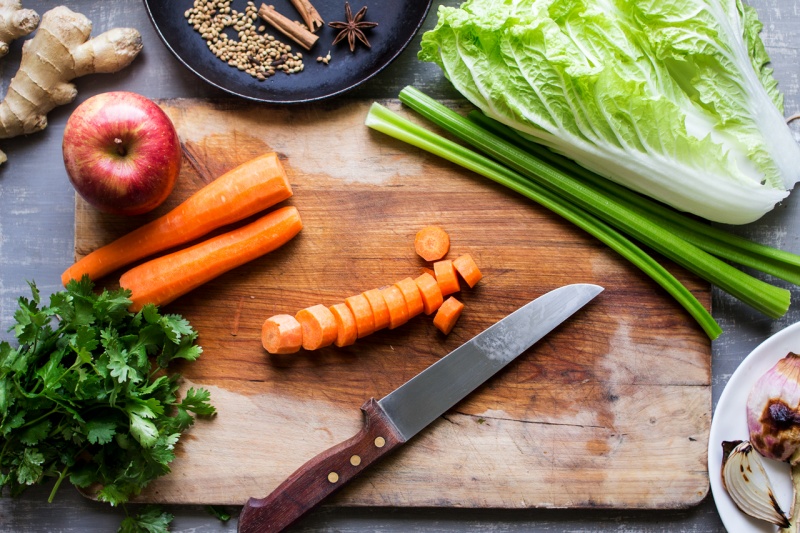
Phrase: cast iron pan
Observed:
(398, 22)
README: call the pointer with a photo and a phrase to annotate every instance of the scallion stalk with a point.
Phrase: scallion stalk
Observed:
(771, 300)
(383, 120)
(718, 242)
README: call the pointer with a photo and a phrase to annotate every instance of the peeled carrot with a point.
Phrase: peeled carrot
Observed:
(362, 312)
(411, 295)
(446, 276)
(281, 334)
(467, 269)
(431, 293)
(447, 315)
(398, 310)
(380, 311)
(164, 279)
(432, 243)
(237, 194)
(346, 331)
(319, 326)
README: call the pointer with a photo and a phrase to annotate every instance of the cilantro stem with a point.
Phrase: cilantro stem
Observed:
(58, 484)
(381, 119)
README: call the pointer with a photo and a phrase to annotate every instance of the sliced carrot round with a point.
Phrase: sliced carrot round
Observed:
(281, 334)
(380, 312)
(398, 310)
(431, 293)
(362, 312)
(432, 243)
(446, 276)
(467, 269)
(411, 295)
(319, 326)
(346, 331)
(447, 315)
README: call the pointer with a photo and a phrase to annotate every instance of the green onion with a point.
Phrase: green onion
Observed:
(718, 242)
(384, 120)
(771, 300)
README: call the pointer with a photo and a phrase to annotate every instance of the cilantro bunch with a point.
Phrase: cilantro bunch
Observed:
(85, 396)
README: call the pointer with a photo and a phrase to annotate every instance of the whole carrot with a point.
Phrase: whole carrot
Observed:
(164, 279)
(247, 189)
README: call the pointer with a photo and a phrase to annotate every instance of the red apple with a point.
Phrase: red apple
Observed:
(122, 153)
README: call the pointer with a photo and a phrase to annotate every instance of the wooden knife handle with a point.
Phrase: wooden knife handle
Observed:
(322, 475)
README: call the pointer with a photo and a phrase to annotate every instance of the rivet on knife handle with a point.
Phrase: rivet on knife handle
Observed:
(322, 475)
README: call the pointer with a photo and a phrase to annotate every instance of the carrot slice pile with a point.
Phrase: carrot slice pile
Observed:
(239, 193)
(319, 327)
(164, 279)
(432, 243)
(390, 306)
(282, 334)
(448, 314)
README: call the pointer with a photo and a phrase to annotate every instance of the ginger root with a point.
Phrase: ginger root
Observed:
(15, 22)
(59, 52)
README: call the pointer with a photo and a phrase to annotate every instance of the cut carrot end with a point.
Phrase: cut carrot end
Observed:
(432, 243)
(411, 295)
(447, 315)
(398, 310)
(319, 327)
(446, 276)
(362, 312)
(431, 293)
(346, 330)
(380, 311)
(467, 269)
(281, 334)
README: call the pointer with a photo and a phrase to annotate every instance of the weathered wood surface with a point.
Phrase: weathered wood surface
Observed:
(610, 410)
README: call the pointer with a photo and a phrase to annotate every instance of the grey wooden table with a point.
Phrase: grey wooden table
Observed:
(36, 243)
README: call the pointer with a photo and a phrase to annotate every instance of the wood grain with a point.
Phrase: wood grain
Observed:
(610, 410)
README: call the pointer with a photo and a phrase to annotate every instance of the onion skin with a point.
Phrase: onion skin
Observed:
(773, 411)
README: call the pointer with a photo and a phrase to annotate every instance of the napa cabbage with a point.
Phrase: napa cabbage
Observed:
(672, 98)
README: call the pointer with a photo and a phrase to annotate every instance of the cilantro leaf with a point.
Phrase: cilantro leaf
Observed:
(31, 469)
(151, 520)
(35, 433)
(197, 401)
(100, 431)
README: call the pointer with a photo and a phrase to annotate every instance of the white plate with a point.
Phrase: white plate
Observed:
(730, 423)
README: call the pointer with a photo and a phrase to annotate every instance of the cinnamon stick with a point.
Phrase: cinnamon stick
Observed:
(288, 27)
(309, 14)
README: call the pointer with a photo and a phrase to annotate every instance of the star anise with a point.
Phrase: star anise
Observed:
(353, 27)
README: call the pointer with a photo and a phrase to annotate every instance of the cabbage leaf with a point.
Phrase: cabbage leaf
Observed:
(674, 99)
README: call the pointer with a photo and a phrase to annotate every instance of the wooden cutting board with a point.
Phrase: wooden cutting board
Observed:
(612, 409)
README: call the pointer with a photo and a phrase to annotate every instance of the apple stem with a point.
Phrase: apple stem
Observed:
(120, 148)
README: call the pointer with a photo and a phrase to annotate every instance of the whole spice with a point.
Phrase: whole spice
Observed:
(293, 30)
(353, 27)
(255, 52)
(309, 14)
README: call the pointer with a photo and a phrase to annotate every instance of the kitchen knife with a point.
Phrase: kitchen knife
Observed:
(401, 414)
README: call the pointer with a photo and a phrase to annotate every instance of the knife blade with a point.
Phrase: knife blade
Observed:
(398, 416)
